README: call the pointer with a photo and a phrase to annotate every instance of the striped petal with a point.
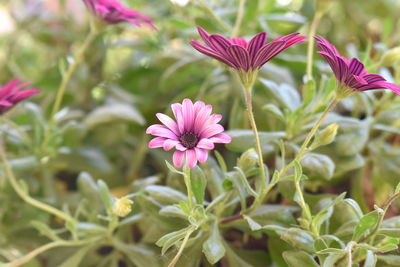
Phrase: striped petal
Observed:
(156, 142)
(170, 123)
(256, 43)
(169, 144)
(240, 56)
(211, 53)
(201, 154)
(205, 144)
(267, 52)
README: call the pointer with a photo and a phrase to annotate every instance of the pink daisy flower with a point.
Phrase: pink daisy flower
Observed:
(11, 94)
(192, 134)
(352, 73)
(240, 54)
(112, 12)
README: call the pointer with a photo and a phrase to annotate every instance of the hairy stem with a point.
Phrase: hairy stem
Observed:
(24, 195)
(182, 247)
(250, 114)
(61, 243)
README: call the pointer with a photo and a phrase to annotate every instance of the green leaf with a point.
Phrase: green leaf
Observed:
(366, 223)
(214, 248)
(274, 110)
(370, 259)
(254, 226)
(165, 195)
(105, 195)
(172, 168)
(45, 230)
(299, 258)
(173, 238)
(111, 113)
(76, 258)
(392, 232)
(308, 92)
(392, 260)
(298, 171)
(318, 165)
(299, 238)
(286, 94)
(199, 184)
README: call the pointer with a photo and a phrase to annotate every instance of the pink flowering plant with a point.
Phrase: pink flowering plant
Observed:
(199, 133)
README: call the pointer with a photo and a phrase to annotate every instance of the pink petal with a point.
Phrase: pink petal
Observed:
(202, 116)
(161, 131)
(215, 118)
(167, 121)
(169, 144)
(180, 147)
(356, 67)
(156, 142)
(188, 114)
(212, 53)
(256, 43)
(212, 130)
(177, 158)
(240, 41)
(191, 158)
(221, 138)
(201, 154)
(267, 52)
(205, 144)
(204, 35)
(220, 44)
(5, 103)
(198, 105)
(240, 56)
(177, 110)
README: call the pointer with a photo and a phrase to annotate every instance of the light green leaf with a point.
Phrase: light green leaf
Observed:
(199, 183)
(318, 165)
(214, 248)
(76, 258)
(366, 223)
(299, 258)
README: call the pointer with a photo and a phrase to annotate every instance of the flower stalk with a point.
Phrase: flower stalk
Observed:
(250, 114)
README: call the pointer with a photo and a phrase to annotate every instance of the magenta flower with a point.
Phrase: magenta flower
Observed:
(112, 12)
(10, 94)
(351, 73)
(240, 54)
(194, 132)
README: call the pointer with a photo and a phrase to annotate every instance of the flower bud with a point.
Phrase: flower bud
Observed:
(248, 159)
(391, 57)
(328, 134)
(122, 206)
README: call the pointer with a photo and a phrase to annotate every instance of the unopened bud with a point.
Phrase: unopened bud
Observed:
(248, 159)
(328, 134)
(122, 206)
(391, 57)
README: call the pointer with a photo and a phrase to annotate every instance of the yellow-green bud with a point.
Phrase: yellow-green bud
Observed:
(328, 134)
(391, 57)
(248, 159)
(122, 206)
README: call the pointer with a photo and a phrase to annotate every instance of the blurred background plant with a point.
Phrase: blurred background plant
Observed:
(131, 73)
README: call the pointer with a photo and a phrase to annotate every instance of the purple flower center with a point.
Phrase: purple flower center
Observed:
(189, 140)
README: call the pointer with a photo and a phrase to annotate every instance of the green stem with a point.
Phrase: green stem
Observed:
(71, 70)
(61, 243)
(182, 247)
(23, 194)
(302, 151)
(239, 18)
(310, 48)
(250, 114)
(188, 183)
(211, 12)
